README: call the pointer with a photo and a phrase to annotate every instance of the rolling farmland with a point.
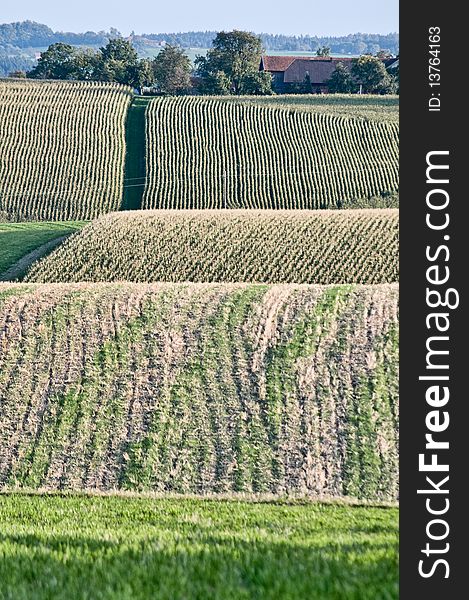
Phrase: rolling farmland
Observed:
(200, 388)
(359, 246)
(201, 402)
(62, 149)
(205, 153)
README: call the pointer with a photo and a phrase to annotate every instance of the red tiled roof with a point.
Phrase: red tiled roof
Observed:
(277, 63)
(320, 68)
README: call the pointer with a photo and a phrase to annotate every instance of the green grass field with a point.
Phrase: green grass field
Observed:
(18, 239)
(135, 167)
(136, 548)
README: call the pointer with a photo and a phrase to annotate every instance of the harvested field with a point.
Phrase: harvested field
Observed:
(359, 246)
(200, 388)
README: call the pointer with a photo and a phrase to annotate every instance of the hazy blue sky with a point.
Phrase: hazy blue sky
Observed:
(150, 16)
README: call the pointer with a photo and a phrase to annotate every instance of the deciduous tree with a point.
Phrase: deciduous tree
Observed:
(341, 81)
(237, 55)
(57, 62)
(324, 51)
(371, 73)
(172, 70)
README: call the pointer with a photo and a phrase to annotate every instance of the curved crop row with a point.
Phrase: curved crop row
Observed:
(356, 246)
(198, 388)
(62, 149)
(208, 153)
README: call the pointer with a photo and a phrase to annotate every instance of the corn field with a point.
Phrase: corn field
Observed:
(357, 246)
(208, 153)
(200, 388)
(62, 149)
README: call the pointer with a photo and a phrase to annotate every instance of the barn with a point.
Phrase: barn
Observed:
(290, 71)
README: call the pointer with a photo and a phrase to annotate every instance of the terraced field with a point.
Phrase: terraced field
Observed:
(200, 388)
(365, 106)
(359, 246)
(207, 153)
(62, 149)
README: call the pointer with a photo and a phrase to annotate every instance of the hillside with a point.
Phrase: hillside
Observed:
(208, 153)
(20, 41)
(200, 388)
(62, 149)
(357, 246)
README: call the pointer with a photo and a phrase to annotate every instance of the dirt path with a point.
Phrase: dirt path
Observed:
(17, 270)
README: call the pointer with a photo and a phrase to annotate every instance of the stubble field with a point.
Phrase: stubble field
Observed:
(200, 388)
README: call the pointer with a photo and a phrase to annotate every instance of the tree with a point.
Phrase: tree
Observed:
(324, 51)
(57, 62)
(341, 81)
(257, 84)
(172, 70)
(141, 74)
(307, 86)
(117, 61)
(119, 50)
(86, 64)
(371, 73)
(237, 55)
(215, 84)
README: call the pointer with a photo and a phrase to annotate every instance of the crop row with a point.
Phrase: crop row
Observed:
(365, 106)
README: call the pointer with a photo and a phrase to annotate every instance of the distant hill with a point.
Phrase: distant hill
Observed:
(21, 41)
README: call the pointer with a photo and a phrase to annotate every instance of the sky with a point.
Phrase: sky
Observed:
(322, 18)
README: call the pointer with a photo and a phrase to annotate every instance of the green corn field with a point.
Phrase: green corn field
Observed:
(208, 153)
(62, 149)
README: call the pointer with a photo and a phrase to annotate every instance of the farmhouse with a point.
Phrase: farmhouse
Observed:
(289, 71)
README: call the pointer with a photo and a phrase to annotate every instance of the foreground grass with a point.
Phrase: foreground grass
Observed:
(63, 547)
(18, 239)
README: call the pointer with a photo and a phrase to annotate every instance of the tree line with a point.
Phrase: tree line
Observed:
(231, 66)
(28, 34)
